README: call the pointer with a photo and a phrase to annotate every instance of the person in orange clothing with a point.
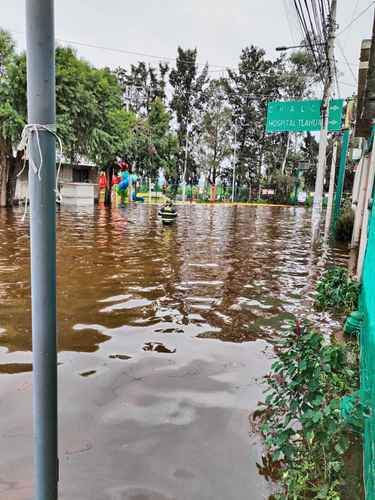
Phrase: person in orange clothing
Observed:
(102, 185)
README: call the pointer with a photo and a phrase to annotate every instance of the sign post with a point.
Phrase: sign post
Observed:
(302, 116)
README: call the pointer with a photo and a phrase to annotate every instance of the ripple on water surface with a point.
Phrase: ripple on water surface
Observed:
(163, 333)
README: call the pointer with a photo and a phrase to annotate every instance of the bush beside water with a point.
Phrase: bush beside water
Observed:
(308, 443)
(300, 419)
(336, 291)
(344, 225)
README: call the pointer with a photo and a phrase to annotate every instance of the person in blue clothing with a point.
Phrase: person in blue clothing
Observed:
(122, 186)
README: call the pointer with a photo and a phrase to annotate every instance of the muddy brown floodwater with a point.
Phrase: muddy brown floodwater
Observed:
(164, 333)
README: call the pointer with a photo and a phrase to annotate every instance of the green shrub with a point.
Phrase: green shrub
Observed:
(203, 197)
(336, 292)
(309, 201)
(344, 225)
(300, 418)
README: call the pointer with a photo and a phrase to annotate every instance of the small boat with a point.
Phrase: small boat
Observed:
(168, 214)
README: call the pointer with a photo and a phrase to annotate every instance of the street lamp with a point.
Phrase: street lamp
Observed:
(283, 47)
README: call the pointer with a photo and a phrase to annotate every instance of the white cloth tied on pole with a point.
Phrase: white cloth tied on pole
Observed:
(29, 132)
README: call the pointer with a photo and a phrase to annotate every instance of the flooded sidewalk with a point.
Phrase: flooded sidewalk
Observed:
(164, 335)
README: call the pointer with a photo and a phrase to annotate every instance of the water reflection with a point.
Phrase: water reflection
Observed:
(233, 274)
(163, 338)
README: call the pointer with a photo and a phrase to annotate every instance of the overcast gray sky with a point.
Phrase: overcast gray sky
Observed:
(219, 29)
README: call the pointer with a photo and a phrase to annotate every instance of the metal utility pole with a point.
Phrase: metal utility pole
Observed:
(234, 163)
(364, 168)
(319, 184)
(340, 178)
(40, 39)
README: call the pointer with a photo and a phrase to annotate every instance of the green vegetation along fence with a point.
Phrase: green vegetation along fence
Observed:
(368, 360)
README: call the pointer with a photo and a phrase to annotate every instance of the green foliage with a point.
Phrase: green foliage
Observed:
(165, 142)
(187, 102)
(86, 99)
(215, 143)
(102, 115)
(12, 92)
(7, 50)
(283, 186)
(336, 292)
(300, 418)
(141, 85)
(344, 225)
(153, 145)
(256, 76)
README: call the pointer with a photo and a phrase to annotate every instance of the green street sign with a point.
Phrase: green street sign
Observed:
(302, 116)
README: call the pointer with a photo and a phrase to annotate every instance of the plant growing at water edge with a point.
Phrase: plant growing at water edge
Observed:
(300, 418)
(344, 225)
(336, 292)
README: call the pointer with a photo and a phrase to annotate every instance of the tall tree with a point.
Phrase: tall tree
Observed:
(12, 114)
(84, 98)
(187, 102)
(141, 85)
(215, 144)
(154, 145)
(248, 90)
(88, 102)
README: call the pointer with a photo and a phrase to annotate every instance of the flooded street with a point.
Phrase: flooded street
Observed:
(164, 333)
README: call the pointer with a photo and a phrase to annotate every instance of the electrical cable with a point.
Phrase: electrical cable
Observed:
(355, 19)
(287, 14)
(311, 29)
(346, 61)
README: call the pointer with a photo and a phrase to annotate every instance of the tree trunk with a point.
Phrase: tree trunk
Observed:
(3, 179)
(8, 173)
(14, 168)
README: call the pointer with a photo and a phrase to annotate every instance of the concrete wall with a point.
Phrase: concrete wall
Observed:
(66, 175)
(78, 194)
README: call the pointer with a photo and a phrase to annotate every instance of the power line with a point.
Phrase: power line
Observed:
(355, 19)
(129, 52)
(353, 64)
(346, 61)
(354, 10)
(314, 28)
(287, 14)
(337, 83)
(348, 84)
(219, 68)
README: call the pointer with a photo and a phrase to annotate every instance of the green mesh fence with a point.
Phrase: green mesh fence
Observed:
(368, 360)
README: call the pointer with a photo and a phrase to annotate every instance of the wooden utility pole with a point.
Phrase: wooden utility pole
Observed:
(319, 185)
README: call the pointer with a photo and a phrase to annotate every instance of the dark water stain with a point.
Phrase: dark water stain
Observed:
(158, 347)
(88, 373)
(15, 367)
(123, 357)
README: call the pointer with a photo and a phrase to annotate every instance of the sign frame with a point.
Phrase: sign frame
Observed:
(302, 116)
